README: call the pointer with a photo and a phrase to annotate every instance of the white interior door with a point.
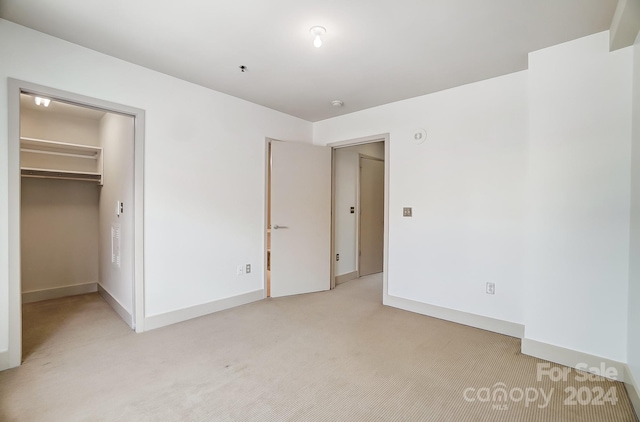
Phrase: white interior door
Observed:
(300, 218)
(371, 216)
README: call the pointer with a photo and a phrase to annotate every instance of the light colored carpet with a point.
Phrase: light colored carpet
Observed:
(332, 356)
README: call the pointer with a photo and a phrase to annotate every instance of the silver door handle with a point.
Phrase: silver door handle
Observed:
(276, 227)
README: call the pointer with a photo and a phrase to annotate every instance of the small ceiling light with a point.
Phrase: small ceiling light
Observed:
(337, 103)
(43, 101)
(317, 31)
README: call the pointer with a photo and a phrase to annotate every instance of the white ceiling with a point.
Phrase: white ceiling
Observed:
(374, 52)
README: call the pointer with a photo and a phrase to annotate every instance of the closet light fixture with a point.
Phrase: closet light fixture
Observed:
(317, 31)
(43, 101)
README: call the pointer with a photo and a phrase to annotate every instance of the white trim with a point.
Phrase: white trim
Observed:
(15, 87)
(346, 277)
(465, 318)
(333, 263)
(56, 292)
(113, 302)
(13, 232)
(570, 358)
(180, 315)
(138, 217)
(360, 141)
(633, 391)
(266, 229)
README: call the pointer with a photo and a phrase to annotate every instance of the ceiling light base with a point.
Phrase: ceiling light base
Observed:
(317, 32)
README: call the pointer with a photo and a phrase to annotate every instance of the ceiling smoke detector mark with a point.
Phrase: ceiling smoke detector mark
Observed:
(337, 103)
(243, 68)
(419, 136)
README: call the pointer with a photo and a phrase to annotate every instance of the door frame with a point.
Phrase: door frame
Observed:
(349, 143)
(15, 88)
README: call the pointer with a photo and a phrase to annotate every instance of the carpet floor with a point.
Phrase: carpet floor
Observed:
(330, 356)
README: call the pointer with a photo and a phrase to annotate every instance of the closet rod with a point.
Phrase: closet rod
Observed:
(46, 174)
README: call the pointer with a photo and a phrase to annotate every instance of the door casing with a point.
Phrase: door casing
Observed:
(349, 143)
(15, 88)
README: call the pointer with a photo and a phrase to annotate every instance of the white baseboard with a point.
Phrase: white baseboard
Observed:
(56, 292)
(113, 302)
(173, 317)
(465, 318)
(633, 390)
(571, 358)
(346, 277)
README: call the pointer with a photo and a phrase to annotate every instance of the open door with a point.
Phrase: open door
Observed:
(300, 218)
(371, 216)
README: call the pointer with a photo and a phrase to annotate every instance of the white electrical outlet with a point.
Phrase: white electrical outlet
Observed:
(240, 270)
(491, 288)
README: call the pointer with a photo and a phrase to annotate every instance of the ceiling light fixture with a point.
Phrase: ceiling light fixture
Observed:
(317, 31)
(337, 103)
(43, 101)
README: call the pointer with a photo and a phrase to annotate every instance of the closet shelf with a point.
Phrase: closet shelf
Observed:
(57, 174)
(42, 158)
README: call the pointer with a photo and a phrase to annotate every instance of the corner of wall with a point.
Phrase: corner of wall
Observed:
(633, 390)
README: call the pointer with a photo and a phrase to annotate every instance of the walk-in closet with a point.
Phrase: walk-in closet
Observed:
(77, 167)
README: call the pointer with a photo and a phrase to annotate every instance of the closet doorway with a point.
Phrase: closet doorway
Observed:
(76, 170)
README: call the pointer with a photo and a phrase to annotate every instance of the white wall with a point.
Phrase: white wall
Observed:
(633, 331)
(576, 273)
(523, 181)
(61, 127)
(59, 218)
(116, 139)
(346, 179)
(204, 168)
(466, 186)
(346, 196)
(59, 242)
